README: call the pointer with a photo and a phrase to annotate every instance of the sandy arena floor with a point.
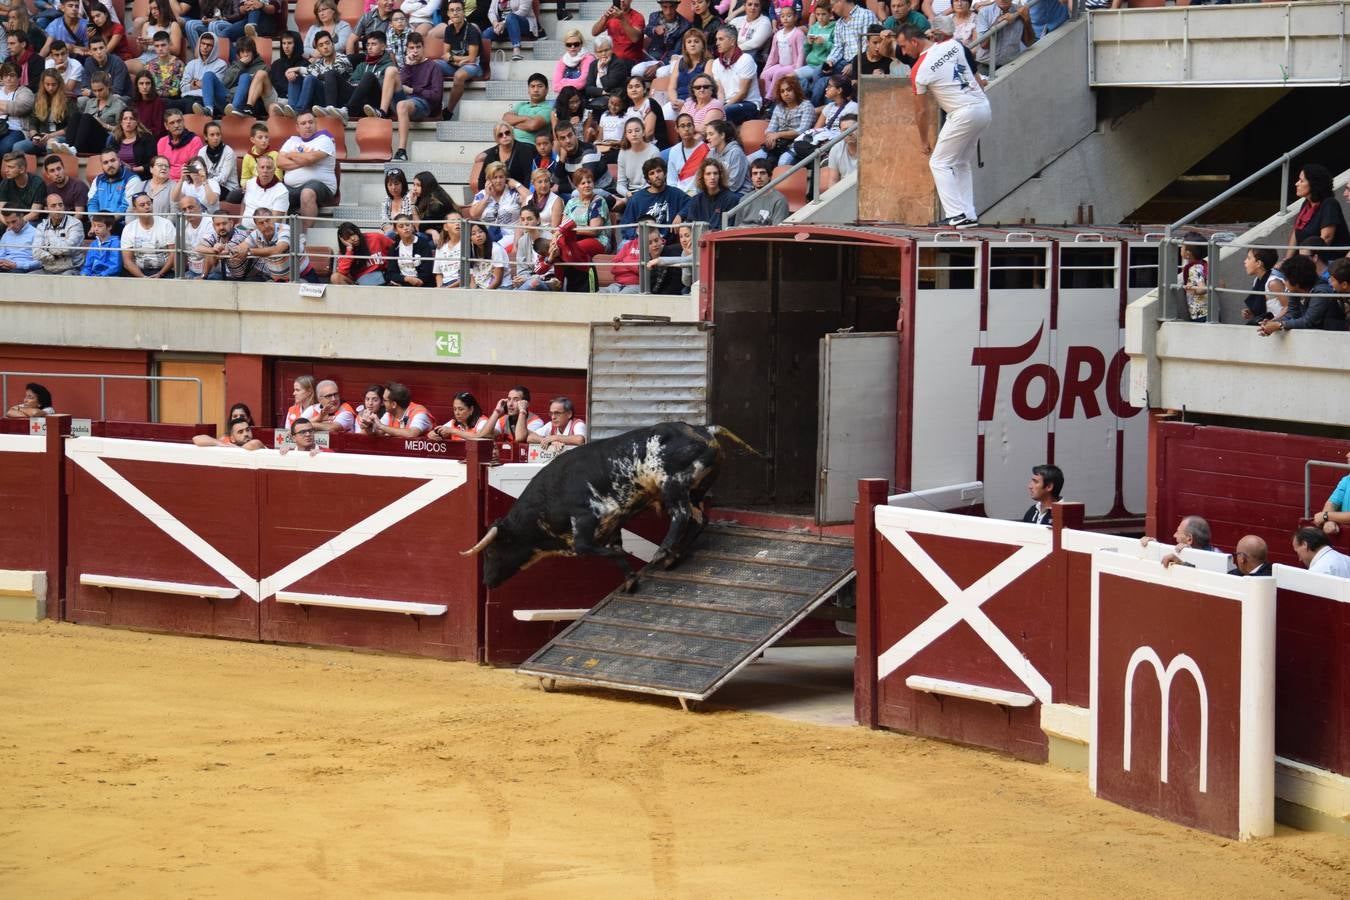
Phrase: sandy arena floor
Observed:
(153, 766)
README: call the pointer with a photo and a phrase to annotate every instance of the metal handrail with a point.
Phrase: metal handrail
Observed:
(1307, 480)
(813, 158)
(102, 385)
(1282, 162)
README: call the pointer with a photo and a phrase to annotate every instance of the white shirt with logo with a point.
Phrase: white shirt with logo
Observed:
(944, 70)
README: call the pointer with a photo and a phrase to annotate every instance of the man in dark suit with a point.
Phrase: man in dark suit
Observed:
(1250, 557)
(1045, 487)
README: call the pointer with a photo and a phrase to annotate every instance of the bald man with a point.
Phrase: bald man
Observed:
(1250, 557)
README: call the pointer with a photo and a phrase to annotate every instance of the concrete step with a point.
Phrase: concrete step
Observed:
(466, 131)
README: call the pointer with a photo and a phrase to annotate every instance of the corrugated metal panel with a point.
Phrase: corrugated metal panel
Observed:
(642, 373)
(685, 631)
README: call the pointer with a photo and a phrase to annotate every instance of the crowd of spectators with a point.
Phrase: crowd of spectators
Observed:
(651, 125)
(389, 410)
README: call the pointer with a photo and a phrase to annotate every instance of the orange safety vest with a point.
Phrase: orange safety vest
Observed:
(409, 414)
(476, 425)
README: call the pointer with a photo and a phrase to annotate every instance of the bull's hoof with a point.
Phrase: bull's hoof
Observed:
(663, 558)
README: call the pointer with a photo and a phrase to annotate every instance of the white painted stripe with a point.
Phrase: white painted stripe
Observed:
(548, 615)
(163, 519)
(362, 603)
(965, 606)
(965, 691)
(232, 458)
(369, 527)
(968, 528)
(159, 587)
(22, 443)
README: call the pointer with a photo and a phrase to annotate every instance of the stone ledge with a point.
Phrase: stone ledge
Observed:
(23, 596)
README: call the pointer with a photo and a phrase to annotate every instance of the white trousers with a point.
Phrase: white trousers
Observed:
(952, 160)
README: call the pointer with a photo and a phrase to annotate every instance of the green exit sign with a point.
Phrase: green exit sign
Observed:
(447, 343)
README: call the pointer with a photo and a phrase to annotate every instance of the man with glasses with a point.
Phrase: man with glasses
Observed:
(330, 413)
(564, 430)
(1250, 558)
(302, 436)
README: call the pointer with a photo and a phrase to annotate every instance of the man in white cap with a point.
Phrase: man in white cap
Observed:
(942, 68)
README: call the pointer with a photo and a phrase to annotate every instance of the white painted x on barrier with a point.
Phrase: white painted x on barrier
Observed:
(88, 457)
(964, 606)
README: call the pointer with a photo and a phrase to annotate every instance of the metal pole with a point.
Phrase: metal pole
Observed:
(180, 232)
(644, 274)
(102, 398)
(695, 234)
(291, 251)
(465, 229)
(1211, 259)
(1165, 273)
(1284, 186)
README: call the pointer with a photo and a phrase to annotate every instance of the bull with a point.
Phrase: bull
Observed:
(577, 504)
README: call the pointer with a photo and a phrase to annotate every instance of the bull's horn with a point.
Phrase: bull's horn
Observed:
(487, 539)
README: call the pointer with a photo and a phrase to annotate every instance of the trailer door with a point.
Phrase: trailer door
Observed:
(858, 374)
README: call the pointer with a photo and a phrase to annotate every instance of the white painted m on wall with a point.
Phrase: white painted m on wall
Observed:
(1165, 675)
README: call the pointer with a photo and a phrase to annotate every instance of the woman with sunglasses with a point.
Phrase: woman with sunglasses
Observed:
(515, 155)
(703, 106)
(575, 65)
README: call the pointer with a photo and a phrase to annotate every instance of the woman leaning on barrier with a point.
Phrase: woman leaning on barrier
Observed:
(37, 401)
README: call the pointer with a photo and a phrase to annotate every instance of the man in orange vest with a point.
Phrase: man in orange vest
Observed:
(331, 413)
(512, 417)
(402, 417)
(565, 430)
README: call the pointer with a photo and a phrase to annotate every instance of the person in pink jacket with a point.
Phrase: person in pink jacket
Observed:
(787, 50)
(575, 64)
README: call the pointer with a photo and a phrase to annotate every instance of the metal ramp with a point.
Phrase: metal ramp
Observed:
(686, 630)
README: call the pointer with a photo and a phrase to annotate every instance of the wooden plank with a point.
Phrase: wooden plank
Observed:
(117, 582)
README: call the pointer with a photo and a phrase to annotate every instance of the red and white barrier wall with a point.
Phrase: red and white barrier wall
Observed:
(1013, 637)
(30, 505)
(358, 548)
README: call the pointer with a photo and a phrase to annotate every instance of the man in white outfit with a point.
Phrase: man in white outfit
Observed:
(943, 69)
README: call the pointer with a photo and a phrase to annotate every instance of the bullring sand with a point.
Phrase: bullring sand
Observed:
(157, 766)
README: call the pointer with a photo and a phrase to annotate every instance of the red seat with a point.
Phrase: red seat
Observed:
(280, 128)
(351, 10)
(304, 16)
(338, 129)
(794, 188)
(196, 123)
(604, 274)
(374, 140)
(752, 134)
(828, 179)
(235, 130)
(433, 47)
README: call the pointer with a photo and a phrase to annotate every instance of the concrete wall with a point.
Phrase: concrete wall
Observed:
(839, 206)
(1128, 160)
(496, 328)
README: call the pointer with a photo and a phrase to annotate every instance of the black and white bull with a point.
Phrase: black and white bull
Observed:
(578, 504)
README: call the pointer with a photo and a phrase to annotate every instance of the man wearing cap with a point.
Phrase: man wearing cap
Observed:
(941, 69)
(665, 31)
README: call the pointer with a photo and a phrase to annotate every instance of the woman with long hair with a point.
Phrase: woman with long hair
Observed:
(446, 268)
(99, 114)
(466, 420)
(692, 60)
(633, 152)
(302, 390)
(575, 64)
(1319, 215)
(362, 257)
(487, 259)
(569, 111)
(51, 109)
(431, 204)
(712, 199)
(114, 34)
(703, 106)
(37, 401)
(396, 200)
(724, 145)
(134, 143)
(640, 104)
(838, 103)
(581, 236)
(792, 117)
(149, 107)
(159, 16)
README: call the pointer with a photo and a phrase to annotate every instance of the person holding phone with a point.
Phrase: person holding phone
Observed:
(624, 25)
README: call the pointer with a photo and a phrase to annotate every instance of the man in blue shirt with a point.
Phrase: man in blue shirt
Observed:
(659, 202)
(69, 27)
(110, 189)
(16, 245)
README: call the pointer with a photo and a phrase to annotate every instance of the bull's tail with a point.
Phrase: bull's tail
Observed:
(735, 440)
